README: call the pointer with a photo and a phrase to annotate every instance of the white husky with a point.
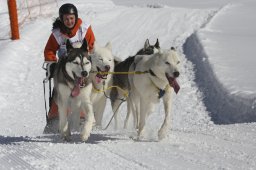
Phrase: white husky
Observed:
(147, 89)
(73, 89)
(118, 95)
(101, 81)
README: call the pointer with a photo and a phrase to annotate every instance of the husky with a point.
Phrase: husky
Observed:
(101, 79)
(73, 89)
(117, 96)
(161, 69)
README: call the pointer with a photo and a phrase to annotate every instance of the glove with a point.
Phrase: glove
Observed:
(50, 62)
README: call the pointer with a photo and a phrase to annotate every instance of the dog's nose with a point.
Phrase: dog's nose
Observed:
(176, 74)
(107, 67)
(84, 73)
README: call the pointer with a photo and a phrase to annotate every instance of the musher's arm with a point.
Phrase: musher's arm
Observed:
(89, 36)
(50, 50)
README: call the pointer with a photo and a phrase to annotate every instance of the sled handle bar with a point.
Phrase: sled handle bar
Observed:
(46, 67)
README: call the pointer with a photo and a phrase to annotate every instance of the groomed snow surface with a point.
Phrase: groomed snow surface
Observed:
(213, 115)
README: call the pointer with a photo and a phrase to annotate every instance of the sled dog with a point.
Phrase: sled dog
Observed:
(101, 81)
(121, 80)
(73, 89)
(159, 81)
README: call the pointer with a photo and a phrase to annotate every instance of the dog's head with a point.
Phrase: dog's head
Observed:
(77, 61)
(149, 49)
(167, 66)
(102, 61)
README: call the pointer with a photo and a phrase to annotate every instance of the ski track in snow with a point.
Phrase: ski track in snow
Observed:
(193, 139)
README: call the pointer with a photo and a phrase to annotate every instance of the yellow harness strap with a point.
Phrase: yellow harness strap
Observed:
(132, 72)
(125, 93)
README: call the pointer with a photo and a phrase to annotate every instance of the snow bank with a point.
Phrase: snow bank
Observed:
(224, 107)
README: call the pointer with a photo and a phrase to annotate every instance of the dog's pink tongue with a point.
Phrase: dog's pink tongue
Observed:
(76, 90)
(174, 84)
(98, 79)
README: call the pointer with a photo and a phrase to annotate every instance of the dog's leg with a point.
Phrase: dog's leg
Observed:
(136, 113)
(135, 105)
(75, 116)
(89, 120)
(115, 102)
(129, 110)
(167, 100)
(99, 110)
(143, 114)
(132, 107)
(63, 121)
(115, 107)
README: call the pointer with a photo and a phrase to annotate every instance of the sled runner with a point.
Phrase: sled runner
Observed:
(51, 125)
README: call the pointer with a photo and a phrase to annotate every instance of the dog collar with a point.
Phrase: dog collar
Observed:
(151, 72)
(161, 91)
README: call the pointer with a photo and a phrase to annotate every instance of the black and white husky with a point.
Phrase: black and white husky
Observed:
(73, 89)
(121, 80)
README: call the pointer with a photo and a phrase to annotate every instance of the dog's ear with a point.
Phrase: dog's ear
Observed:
(68, 46)
(84, 46)
(109, 46)
(146, 45)
(89, 58)
(116, 62)
(157, 44)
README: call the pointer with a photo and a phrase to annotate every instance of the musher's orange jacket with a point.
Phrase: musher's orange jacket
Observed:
(55, 40)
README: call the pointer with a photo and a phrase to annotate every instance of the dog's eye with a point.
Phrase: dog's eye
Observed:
(87, 63)
(167, 63)
(178, 62)
(75, 62)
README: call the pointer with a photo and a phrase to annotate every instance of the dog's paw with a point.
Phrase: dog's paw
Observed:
(161, 134)
(66, 137)
(84, 137)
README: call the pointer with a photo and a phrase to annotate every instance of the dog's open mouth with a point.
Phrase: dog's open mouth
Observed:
(79, 82)
(102, 74)
(173, 83)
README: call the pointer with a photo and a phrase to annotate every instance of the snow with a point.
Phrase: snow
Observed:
(213, 115)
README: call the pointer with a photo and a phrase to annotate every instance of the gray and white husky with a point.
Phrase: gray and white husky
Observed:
(160, 81)
(73, 90)
(121, 80)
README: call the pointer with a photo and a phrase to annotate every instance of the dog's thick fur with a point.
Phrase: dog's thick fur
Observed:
(72, 71)
(146, 90)
(121, 80)
(101, 82)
